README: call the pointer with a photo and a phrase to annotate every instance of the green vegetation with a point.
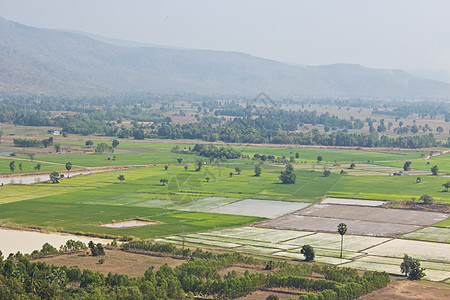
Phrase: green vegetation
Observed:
(411, 268)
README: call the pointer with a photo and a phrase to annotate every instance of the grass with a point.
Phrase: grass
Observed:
(73, 217)
(442, 161)
(28, 166)
(389, 188)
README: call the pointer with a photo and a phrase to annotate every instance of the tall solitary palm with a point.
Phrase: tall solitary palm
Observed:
(68, 168)
(342, 229)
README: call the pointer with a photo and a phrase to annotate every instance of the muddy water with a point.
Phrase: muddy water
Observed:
(30, 179)
(12, 241)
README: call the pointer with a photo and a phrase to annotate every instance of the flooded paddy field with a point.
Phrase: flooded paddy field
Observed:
(28, 241)
(374, 221)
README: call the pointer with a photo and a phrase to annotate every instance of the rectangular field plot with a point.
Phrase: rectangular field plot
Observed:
(261, 234)
(417, 249)
(375, 214)
(360, 220)
(206, 237)
(358, 227)
(205, 204)
(348, 201)
(434, 271)
(259, 208)
(333, 241)
(433, 234)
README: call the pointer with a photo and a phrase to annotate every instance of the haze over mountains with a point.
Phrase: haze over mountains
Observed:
(54, 62)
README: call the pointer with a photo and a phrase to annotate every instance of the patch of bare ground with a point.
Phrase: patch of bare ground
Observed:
(402, 204)
(406, 289)
(116, 261)
(282, 293)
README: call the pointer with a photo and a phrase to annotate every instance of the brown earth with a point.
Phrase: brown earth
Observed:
(436, 207)
(116, 261)
(406, 289)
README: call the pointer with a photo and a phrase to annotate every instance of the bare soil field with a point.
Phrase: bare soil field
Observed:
(406, 289)
(373, 221)
(116, 261)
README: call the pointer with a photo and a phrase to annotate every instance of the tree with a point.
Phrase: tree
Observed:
(411, 268)
(288, 176)
(164, 181)
(186, 168)
(427, 199)
(326, 172)
(342, 229)
(121, 178)
(179, 160)
(439, 129)
(102, 147)
(38, 167)
(96, 250)
(1, 135)
(407, 166)
(166, 167)
(308, 252)
(435, 170)
(319, 158)
(57, 148)
(12, 166)
(54, 177)
(31, 155)
(68, 168)
(352, 165)
(231, 174)
(258, 170)
(20, 167)
(297, 155)
(207, 179)
(238, 170)
(419, 180)
(89, 143)
(446, 185)
(199, 165)
(115, 143)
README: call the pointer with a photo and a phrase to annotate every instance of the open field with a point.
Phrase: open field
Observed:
(442, 161)
(28, 166)
(433, 234)
(389, 188)
(363, 252)
(360, 220)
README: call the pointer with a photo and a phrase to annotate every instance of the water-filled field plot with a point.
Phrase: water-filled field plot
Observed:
(417, 249)
(347, 201)
(260, 208)
(434, 234)
(372, 221)
(363, 252)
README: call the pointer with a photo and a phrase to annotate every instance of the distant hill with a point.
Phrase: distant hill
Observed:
(54, 62)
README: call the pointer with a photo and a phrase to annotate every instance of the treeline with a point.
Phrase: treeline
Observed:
(33, 142)
(241, 132)
(210, 151)
(22, 279)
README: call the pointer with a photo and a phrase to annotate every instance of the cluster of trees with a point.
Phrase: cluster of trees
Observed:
(210, 151)
(33, 142)
(251, 132)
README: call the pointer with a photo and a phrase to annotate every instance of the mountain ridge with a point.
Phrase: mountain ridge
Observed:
(56, 62)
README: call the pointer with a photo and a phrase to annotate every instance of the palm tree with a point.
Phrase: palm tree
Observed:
(342, 229)
(68, 168)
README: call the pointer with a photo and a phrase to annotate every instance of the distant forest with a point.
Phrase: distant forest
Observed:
(233, 121)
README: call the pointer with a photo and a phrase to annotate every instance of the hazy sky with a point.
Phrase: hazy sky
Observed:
(403, 34)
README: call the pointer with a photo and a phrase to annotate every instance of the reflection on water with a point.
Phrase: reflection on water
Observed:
(28, 241)
(30, 179)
